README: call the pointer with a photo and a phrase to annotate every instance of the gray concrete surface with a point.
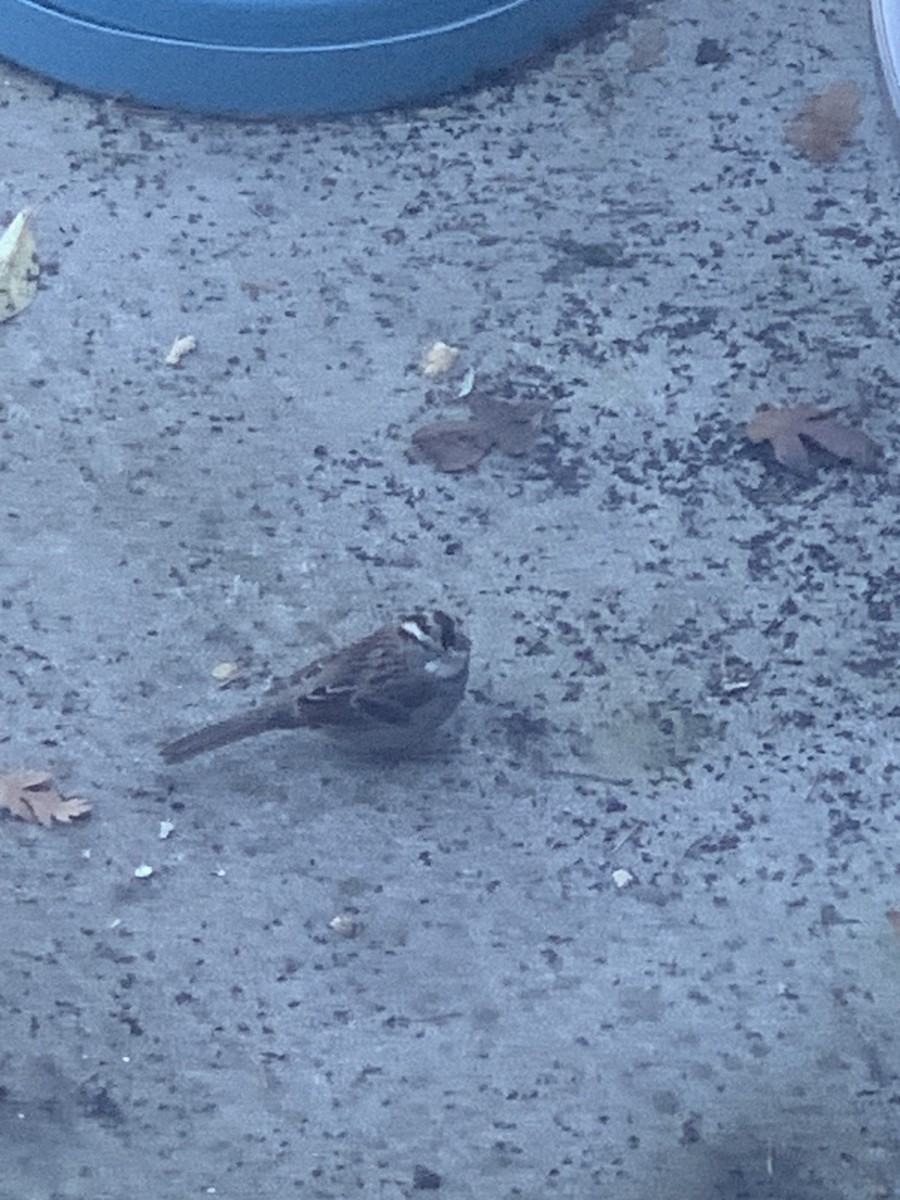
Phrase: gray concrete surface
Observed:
(685, 659)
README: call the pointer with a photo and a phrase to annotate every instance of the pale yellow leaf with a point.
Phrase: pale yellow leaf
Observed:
(223, 672)
(180, 347)
(18, 266)
(438, 358)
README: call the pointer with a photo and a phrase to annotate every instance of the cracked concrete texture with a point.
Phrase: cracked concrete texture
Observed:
(685, 662)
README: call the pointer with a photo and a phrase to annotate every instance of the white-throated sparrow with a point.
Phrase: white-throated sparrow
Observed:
(386, 692)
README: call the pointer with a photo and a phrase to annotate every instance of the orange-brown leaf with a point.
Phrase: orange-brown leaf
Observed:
(789, 429)
(30, 796)
(826, 120)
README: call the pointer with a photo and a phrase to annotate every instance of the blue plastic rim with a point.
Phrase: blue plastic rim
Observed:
(279, 57)
(886, 22)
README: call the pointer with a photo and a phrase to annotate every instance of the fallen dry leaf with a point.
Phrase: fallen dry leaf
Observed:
(451, 445)
(438, 358)
(30, 796)
(19, 268)
(824, 124)
(180, 347)
(454, 446)
(788, 429)
(224, 672)
(347, 924)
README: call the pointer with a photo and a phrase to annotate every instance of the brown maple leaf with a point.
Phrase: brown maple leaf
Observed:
(790, 429)
(454, 446)
(30, 796)
(826, 120)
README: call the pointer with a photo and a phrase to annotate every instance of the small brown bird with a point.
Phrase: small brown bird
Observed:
(386, 692)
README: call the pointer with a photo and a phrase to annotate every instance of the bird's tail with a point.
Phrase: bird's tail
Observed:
(232, 729)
